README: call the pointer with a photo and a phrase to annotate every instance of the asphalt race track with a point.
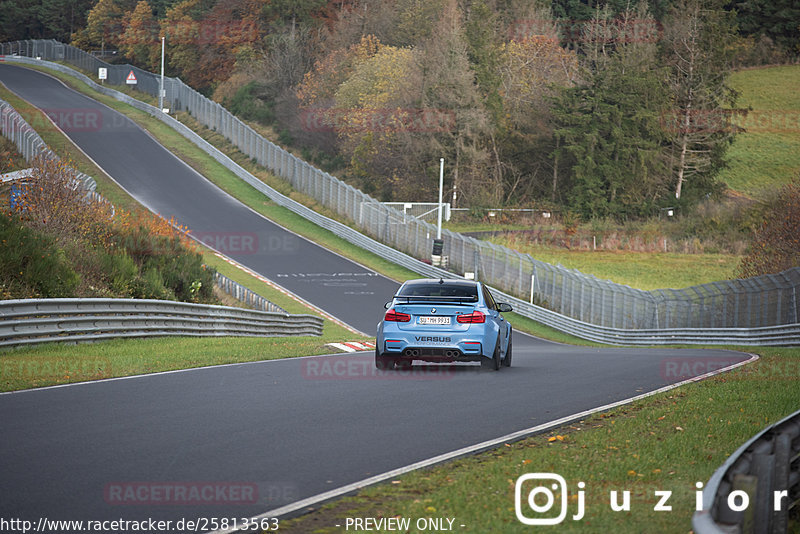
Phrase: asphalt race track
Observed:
(262, 435)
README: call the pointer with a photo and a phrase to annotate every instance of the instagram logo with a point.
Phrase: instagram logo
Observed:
(543, 490)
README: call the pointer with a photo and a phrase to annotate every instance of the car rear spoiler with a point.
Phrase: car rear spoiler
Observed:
(448, 300)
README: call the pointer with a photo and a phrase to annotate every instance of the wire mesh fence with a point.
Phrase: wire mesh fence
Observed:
(30, 145)
(756, 302)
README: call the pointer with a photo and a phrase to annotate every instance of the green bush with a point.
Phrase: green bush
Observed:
(31, 265)
(168, 269)
(119, 269)
(150, 285)
(185, 275)
(247, 104)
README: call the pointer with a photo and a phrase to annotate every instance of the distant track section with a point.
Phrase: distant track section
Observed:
(166, 185)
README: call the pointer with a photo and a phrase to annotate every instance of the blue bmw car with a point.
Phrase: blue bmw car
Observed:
(443, 321)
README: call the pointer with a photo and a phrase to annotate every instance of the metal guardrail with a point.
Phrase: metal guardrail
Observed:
(627, 334)
(31, 321)
(31, 146)
(768, 463)
(248, 296)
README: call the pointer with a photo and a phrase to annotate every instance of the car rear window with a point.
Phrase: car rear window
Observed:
(439, 290)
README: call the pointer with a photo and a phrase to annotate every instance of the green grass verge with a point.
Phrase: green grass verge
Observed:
(767, 155)
(53, 363)
(642, 270)
(666, 442)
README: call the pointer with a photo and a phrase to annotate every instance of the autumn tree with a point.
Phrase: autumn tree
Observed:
(370, 111)
(694, 47)
(291, 13)
(533, 70)
(203, 44)
(319, 85)
(776, 244)
(140, 42)
(356, 19)
(447, 84)
(104, 25)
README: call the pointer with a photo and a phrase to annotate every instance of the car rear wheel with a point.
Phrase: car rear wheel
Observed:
(492, 363)
(507, 359)
(384, 363)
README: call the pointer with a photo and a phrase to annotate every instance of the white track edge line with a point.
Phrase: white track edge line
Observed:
(173, 371)
(338, 492)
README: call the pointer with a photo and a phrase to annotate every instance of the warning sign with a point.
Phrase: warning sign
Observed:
(131, 79)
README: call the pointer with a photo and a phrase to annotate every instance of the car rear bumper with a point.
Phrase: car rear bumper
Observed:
(466, 350)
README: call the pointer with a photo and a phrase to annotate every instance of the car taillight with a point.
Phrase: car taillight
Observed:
(474, 317)
(396, 316)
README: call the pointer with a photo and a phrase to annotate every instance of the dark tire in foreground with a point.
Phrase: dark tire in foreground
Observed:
(384, 363)
(492, 363)
(507, 359)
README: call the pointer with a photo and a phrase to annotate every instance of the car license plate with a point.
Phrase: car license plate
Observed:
(428, 319)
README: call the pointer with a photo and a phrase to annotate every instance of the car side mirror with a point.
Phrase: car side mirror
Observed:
(502, 307)
(387, 305)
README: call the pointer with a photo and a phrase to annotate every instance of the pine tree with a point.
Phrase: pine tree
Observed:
(609, 132)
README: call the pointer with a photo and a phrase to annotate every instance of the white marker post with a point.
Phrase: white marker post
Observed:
(441, 184)
(436, 257)
(161, 89)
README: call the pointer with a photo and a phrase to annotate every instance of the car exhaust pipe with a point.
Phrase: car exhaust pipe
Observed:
(411, 353)
(451, 354)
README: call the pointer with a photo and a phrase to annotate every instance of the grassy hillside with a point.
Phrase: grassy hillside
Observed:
(767, 155)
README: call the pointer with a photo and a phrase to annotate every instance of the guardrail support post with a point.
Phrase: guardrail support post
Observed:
(764, 468)
(783, 458)
(747, 484)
